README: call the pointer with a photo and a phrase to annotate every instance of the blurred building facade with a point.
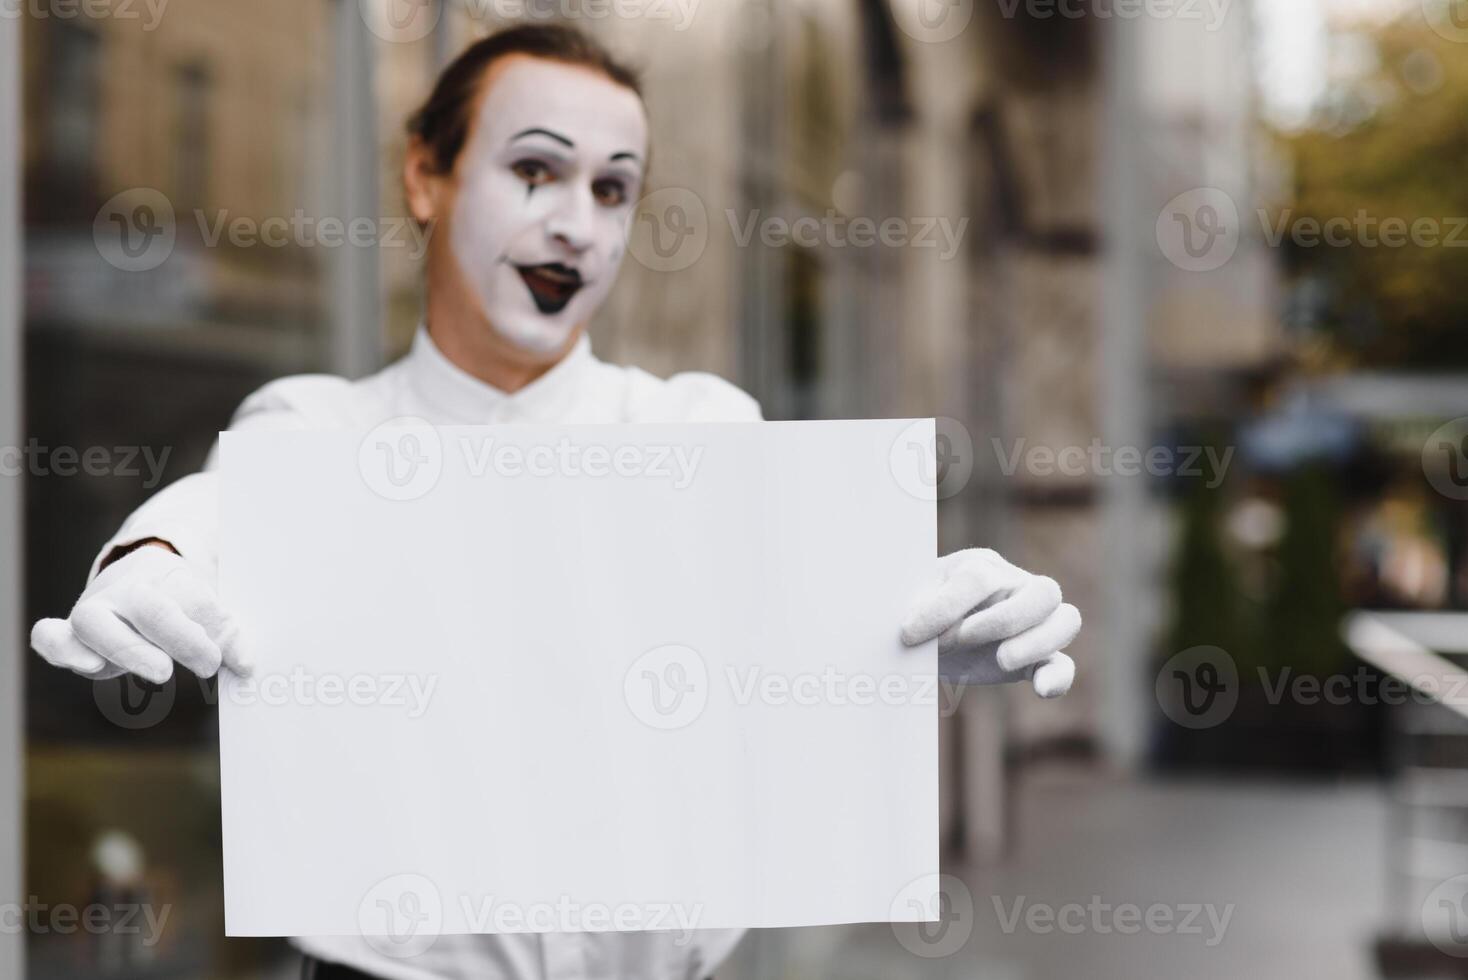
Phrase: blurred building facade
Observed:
(1025, 159)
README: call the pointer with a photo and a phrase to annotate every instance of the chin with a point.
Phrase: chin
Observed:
(534, 334)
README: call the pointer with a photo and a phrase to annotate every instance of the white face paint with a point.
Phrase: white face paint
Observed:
(547, 182)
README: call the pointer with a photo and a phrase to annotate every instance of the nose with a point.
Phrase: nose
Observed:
(572, 223)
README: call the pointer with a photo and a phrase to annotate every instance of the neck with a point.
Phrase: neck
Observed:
(472, 345)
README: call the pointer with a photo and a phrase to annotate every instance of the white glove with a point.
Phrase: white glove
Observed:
(144, 611)
(996, 624)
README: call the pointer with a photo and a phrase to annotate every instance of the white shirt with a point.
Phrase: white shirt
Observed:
(579, 389)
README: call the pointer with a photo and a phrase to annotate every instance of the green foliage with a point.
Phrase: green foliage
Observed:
(1207, 599)
(1391, 144)
(1300, 628)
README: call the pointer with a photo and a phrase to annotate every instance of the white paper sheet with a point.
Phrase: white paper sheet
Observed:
(564, 678)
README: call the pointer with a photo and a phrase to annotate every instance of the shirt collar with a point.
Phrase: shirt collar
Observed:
(463, 398)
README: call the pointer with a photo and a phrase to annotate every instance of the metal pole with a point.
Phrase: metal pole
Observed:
(12, 670)
(356, 344)
(1124, 391)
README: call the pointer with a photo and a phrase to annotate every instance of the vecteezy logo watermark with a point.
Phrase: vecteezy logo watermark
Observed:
(670, 686)
(412, 20)
(677, 13)
(1445, 916)
(932, 460)
(675, 464)
(1449, 18)
(833, 230)
(1363, 230)
(668, 230)
(833, 687)
(933, 21)
(1445, 459)
(1211, 12)
(298, 686)
(135, 231)
(1198, 231)
(1097, 459)
(97, 919)
(667, 687)
(134, 704)
(1199, 687)
(303, 230)
(150, 12)
(946, 907)
(34, 459)
(405, 21)
(401, 459)
(1103, 918)
(487, 913)
(401, 916)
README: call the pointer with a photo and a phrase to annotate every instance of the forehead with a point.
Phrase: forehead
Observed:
(521, 92)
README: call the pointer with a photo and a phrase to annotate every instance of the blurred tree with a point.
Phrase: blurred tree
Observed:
(1389, 143)
(1300, 627)
(1208, 603)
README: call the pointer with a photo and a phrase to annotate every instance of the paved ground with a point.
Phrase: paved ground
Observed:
(1300, 866)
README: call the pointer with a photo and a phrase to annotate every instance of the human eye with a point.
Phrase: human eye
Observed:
(532, 171)
(609, 191)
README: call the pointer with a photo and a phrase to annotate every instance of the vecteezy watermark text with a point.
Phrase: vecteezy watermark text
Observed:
(407, 21)
(1200, 687)
(118, 919)
(150, 12)
(833, 230)
(402, 916)
(35, 459)
(403, 458)
(1103, 918)
(1211, 12)
(669, 687)
(675, 463)
(303, 230)
(134, 704)
(1097, 459)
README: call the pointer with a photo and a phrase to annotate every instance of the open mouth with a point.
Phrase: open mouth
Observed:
(551, 285)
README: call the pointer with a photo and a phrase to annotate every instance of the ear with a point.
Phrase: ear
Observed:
(425, 189)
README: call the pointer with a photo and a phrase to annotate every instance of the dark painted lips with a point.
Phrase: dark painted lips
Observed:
(551, 285)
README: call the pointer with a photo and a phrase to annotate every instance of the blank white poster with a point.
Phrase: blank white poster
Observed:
(578, 678)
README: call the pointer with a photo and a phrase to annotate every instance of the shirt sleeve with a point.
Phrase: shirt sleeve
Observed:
(186, 512)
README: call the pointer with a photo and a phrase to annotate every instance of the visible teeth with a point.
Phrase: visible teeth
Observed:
(562, 277)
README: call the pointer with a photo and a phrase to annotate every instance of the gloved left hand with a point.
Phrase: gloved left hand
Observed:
(996, 624)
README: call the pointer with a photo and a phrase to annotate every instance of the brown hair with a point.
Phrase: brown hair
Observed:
(444, 120)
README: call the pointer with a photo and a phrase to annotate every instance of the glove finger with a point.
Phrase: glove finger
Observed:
(200, 603)
(1039, 642)
(58, 645)
(1053, 677)
(1027, 607)
(967, 586)
(160, 619)
(105, 633)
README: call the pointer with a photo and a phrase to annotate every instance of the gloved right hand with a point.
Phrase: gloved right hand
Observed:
(142, 613)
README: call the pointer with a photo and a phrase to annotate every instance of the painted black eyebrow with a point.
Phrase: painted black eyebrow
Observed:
(536, 130)
(626, 155)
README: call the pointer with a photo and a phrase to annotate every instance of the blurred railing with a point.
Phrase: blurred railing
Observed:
(1427, 845)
